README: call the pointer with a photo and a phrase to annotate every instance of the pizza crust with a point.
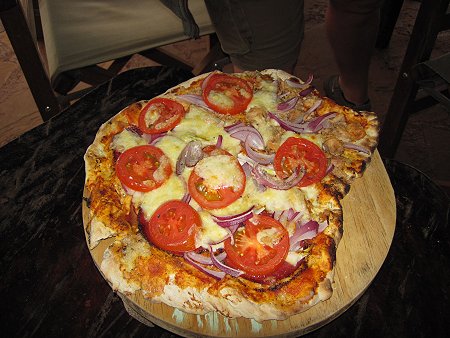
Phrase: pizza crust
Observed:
(229, 297)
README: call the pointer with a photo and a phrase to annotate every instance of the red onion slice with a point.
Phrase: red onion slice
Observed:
(233, 220)
(242, 132)
(274, 182)
(357, 147)
(309, 111)
(296, 127)
(288, 105)
(302, 232)
(204, 260)
(297, 217)
(289, 215)
(318, 122)
(219, 141)
(194, 99)
(322, 226)
(135, 129)
(257, 156)
(206, 80)
(199, 258)
(306, 91)
(253, 141)
(294, 83)
(306, 127)
(213, 273)
(223, 267)
(277, 214)
(308, 230)
(233, 126)
(186, 198)
(329, 169)
(247, 167)
(155, 137)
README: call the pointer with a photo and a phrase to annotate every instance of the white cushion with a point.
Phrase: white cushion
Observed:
(80, 33)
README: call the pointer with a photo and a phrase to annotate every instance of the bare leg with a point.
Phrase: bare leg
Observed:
(352, 37)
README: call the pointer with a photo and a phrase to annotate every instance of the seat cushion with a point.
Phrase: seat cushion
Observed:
(87, 32)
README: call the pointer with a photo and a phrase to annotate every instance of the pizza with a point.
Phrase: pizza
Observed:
(223, 194)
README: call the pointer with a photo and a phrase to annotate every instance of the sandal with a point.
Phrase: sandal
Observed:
(334, 92)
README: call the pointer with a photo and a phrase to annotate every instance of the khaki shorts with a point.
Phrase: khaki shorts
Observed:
(259, 34)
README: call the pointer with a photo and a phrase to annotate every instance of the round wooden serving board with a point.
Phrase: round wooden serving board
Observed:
(369, 224)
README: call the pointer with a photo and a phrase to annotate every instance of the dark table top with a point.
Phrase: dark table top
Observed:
(50, 286)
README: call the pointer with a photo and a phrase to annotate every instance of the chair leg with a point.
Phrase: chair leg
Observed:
(423, 36)
(30, 61)
(388, 18)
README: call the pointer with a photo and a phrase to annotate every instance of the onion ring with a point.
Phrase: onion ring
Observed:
(223, 267)
(274, 182)
(357, 147)
(233, 220)
(302, 232)
(213, 273)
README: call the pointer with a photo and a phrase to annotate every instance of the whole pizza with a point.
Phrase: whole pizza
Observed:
(223, 194)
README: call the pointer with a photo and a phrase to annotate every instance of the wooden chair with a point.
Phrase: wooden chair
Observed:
(418, 75)
(81, 34)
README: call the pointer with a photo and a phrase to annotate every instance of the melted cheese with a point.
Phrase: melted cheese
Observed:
(220, 99)
(277, 200)
(220, 171)
(210, 231)
(242, 204)
(171, 146)
(173, 188)
(134, 250)
(294, 257)
(265, 97)
(126, 140)
(199, 124)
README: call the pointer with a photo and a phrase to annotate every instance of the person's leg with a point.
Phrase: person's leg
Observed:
(259, 34)
(352, 28)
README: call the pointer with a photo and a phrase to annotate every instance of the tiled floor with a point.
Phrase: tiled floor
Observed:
(425, 141)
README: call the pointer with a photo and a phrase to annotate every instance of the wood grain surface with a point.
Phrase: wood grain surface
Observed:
(369, 224)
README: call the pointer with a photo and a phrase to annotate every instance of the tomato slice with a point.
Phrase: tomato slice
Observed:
(259, 248)
(217, 196)
(160, 115)
(283, 270)
(296, 152)
(143, 168)
(172, 227)
(227, 94)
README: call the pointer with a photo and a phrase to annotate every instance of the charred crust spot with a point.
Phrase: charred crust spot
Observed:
(334, 190)
(87, 200)
(332, 250)
(346, 189)
(363, 166)
(279, 284)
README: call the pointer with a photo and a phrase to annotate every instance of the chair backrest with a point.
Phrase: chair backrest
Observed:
(79, 34)
(87, 32)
